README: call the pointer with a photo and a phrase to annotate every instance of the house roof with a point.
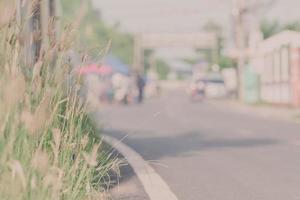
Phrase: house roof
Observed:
(291, 38)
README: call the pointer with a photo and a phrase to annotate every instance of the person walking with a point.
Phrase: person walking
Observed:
(140, 82)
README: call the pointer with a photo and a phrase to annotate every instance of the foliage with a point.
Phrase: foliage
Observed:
(215, 28)
(190, 61)
(147, 58)
(212, 27)
(94, 34)
(225, 62)
(48, 144)
(272, 27)
(292, 26)
(162, 69)
(269, 28)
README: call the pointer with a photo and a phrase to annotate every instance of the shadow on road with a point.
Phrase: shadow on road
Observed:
(156, 147)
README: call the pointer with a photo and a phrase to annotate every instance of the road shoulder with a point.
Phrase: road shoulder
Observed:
(260, 110)
(153, 184)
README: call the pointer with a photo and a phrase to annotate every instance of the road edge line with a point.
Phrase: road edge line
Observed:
(155, 187)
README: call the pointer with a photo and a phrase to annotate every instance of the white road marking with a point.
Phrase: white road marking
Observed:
(154, 185)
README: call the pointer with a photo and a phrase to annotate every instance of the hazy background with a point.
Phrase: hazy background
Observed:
(181, 15)
(144, 16)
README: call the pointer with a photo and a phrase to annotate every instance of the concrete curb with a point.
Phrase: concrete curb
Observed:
(153, 184)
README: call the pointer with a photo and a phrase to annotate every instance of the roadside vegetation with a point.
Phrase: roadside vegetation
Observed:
(49, 148)
(162, 69)
(271, 27)
(94, 35)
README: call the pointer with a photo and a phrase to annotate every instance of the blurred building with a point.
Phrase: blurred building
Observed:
(277, 62)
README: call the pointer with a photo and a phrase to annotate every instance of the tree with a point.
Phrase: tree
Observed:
(292, 26)
(148, 53)
(214, 28)
(272, 27)
(269, 28)
(94, 35)
(222, 60)
(225, 62)
(162, 69)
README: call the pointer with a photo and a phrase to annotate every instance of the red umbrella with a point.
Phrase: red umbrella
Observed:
(94, 69)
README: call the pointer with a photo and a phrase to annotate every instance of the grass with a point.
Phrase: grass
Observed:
(48, 144)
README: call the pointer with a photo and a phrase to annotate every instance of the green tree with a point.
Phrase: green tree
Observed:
(292, 26)
(214, 28)
(147, 58)
(93, 34)
(162, 69)
(222, 60)
(272, 27)
(225, 62)
(269, 28)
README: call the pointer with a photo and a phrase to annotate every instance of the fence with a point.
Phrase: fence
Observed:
(277, 61)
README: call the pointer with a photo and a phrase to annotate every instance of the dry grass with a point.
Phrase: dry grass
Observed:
(48, 148)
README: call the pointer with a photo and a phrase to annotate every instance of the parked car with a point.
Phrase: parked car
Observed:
(215, 87)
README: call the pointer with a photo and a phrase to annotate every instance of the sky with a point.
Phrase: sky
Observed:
(181, 15)
(177, 16)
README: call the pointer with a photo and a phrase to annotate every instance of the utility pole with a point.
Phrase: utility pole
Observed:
(138, 59)
(242, 8)
(238, 14)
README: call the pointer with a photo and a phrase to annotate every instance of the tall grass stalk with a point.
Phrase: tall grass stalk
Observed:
(48, 148)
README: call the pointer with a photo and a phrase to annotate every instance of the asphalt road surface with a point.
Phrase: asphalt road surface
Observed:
(208, 152)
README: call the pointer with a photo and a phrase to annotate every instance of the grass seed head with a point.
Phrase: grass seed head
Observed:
(91, 158)
(56, 133)
(13, 91)
(17, 171)
(40, 161)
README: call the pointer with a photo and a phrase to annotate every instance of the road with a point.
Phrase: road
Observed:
(209, 152)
